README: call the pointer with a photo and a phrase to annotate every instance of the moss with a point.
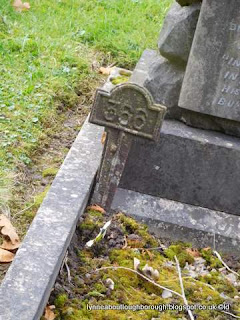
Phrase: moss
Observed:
(212, 261)
(129, 224)
(100, 287)
(89, 223)
(95, 293)
(49, 172)
(131, 289)
(61, 300)
(119, 79)
(94, 213)
(221, 284)
(125, 73)
(179, 250)
(30, 214)
(40, 197)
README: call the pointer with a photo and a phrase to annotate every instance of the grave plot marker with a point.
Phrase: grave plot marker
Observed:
(127, 111)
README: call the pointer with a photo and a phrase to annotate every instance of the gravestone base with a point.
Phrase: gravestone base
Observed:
(189, 165)
(185, 187)
(182, 222)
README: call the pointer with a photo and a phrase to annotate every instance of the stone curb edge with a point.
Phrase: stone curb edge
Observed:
(27, 285)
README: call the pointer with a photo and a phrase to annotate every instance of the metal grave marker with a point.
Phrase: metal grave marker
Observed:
(127, 111)
(212, 80)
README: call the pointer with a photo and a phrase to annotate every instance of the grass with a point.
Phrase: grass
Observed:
(45, 54)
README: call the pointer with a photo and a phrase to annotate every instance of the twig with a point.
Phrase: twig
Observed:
(182, 288)
(154, 248)
(29, 207)
(142, 276)
(205, 284)
(231, 314)
(64, 263)
(225, 265)
(68, 270)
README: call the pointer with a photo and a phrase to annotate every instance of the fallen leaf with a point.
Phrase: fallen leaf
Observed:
(95, 207)
(7, 245)
(6, 256)
(104, 136)
(105, 71)
(193, 252)
(19, 6)
(134, 243)
(49, 314)
(8, 229)
(206, 249)
(149, 254)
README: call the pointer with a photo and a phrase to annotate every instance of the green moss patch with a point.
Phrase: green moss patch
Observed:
(89, 287)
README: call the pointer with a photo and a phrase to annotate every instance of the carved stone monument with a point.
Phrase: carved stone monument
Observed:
(186, 186)
(212, 80)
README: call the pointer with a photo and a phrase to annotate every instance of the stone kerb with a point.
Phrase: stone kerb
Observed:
(27, 285)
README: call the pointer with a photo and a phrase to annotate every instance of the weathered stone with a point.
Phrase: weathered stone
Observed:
(211, 82)
(189, 165)
(126, 111)
(177, 33)
(164, 82)
(28, 283)
(207, 122)
(166, 294)
(187, 2)
(180, 221)
(231, 277)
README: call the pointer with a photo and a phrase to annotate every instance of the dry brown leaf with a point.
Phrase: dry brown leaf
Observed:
(20, 6)
(8, 229)
(207, 249)
(105, 71)
(95, 207)
(6, 256)
(104, 136)
(49, 314)
(193, 252)
(150, 254)
(7, 245)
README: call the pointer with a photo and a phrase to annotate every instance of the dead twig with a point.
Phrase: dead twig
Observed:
(182, 288)
(203, 283)
(23, 210)
(64, 263)
(231, 314)
(225, 265)
(142, 276)
(154, 248)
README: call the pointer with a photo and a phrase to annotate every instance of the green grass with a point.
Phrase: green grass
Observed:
(46, 52)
